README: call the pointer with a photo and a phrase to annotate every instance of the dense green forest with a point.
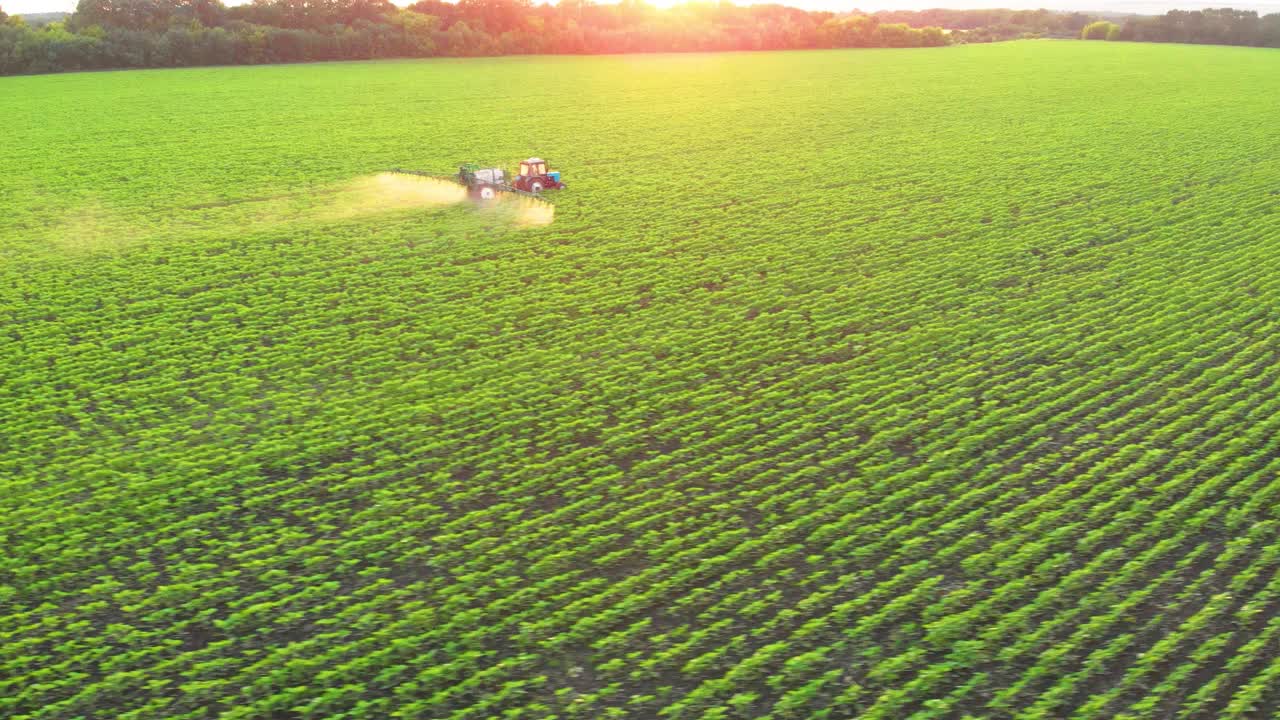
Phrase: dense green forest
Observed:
(172, 33)
(1206, 27)
(175, 33)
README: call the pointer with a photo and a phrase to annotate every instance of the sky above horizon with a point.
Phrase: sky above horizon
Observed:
(1148, 7)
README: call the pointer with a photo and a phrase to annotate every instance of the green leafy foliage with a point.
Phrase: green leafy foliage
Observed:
(913, 384)
(1100, 30)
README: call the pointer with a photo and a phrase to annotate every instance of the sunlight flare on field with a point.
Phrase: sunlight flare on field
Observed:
(92, 228)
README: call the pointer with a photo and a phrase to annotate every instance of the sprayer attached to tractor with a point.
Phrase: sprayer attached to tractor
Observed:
(486, 182)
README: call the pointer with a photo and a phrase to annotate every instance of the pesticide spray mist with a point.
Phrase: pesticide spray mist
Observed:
(524, 211)
(388, 192)
(95, 227)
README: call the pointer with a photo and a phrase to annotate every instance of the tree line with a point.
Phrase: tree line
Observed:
(1221, 26)
(175, 33)
(103, 34)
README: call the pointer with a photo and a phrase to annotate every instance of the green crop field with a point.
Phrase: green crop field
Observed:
(895, 384)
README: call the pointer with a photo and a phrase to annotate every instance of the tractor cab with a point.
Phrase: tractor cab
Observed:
(533, 166)
(534, 176)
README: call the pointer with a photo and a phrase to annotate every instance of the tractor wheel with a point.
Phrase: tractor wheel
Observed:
(535, 187)
(487, 193)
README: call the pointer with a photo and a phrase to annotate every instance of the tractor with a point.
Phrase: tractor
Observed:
(486, 183)
(534, 177)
